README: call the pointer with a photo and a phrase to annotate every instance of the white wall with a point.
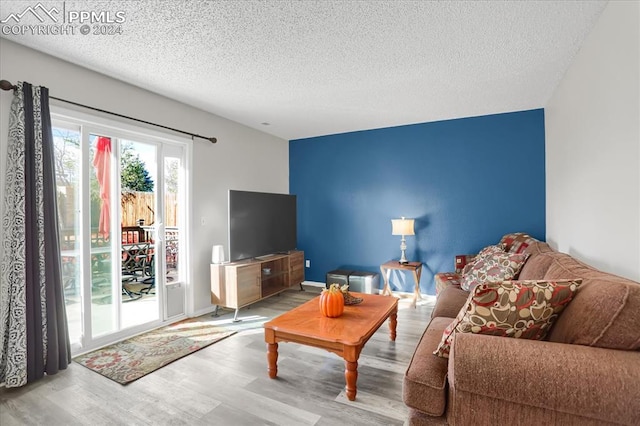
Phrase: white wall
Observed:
(593, 148)
(243, 158)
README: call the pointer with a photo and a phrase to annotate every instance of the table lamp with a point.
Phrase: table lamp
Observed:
(402, 227)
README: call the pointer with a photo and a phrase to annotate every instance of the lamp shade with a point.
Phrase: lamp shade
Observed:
(402, 226)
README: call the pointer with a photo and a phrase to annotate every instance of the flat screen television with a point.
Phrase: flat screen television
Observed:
(261, 223)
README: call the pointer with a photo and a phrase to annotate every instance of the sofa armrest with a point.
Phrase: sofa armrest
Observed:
(449, 302)
(574, 380)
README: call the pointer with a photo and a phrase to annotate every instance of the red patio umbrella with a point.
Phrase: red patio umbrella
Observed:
(102, 164)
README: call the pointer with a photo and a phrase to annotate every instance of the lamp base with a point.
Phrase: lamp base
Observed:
(403, 258)
(403, 247)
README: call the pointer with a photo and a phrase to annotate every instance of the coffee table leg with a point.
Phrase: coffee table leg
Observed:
(393, 323)
(351, 377)
(272, 358)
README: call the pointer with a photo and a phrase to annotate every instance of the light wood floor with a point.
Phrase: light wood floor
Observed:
(227, 383)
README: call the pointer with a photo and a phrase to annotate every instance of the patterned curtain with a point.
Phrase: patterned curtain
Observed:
(34, 338)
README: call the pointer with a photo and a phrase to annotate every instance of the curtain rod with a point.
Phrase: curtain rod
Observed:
(6, 85)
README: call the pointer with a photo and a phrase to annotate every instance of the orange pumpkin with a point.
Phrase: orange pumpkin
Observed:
(332, 302)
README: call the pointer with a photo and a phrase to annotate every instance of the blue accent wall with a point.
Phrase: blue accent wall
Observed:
(466, 182)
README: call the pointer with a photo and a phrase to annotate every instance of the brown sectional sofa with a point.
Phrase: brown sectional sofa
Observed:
(586, 371)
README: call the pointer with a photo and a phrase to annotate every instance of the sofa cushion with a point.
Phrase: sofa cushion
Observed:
(535, 267)
(520, 309)
(539, 247)
(493, 267)
(425, 382)
(606, 311)
(539, 261)
(498, 381)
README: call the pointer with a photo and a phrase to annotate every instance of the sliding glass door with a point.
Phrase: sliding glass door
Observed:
(117, 253)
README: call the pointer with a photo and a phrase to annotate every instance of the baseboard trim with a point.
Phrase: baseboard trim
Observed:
(401, 294)
(203, 311)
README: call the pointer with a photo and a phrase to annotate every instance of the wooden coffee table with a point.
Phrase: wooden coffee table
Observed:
(345, 335)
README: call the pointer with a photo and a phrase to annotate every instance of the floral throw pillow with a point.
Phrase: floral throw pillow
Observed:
(493, 267)
(488, 250)
(520, 309)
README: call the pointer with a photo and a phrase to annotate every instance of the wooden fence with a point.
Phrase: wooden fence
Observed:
(141, 205)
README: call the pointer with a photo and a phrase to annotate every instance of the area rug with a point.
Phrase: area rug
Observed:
(133, 358)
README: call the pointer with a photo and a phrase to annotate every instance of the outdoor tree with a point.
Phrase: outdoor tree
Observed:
(134, 178)
(134, 175)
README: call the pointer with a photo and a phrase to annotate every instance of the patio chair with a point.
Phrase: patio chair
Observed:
(136, 263)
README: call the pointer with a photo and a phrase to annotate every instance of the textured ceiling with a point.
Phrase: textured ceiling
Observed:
(313, 68)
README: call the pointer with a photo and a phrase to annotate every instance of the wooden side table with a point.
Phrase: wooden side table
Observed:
(414, 267)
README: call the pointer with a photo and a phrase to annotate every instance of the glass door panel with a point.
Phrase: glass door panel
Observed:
(172, 213)
(66, 141)
(139, 220)
(104, 316)
(173, 231)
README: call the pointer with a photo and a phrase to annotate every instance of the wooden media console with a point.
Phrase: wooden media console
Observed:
(238, 284)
